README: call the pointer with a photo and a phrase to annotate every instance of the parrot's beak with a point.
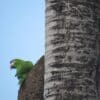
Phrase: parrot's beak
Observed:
(12, 66)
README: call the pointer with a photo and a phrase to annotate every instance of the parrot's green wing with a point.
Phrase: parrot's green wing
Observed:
(27, 66)
(22, 79)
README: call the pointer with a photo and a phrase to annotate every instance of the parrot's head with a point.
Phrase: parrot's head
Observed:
(14, 63)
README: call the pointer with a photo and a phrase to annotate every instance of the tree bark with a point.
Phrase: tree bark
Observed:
(32, 87)
(72, 66)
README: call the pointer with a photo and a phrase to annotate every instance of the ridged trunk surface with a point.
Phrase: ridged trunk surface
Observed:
(72, 69)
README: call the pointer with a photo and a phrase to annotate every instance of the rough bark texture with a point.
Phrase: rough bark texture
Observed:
(32, 88)
(72, 66)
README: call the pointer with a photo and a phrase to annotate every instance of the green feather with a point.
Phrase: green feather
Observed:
(22, 69)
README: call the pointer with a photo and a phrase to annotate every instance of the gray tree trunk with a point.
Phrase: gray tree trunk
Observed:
(72, 66)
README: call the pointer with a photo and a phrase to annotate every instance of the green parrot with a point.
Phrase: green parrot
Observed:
(22, 68)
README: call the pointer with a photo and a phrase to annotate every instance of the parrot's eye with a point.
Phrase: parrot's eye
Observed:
(12, 61)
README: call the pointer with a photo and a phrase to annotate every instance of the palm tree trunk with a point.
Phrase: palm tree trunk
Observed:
(72, 66)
